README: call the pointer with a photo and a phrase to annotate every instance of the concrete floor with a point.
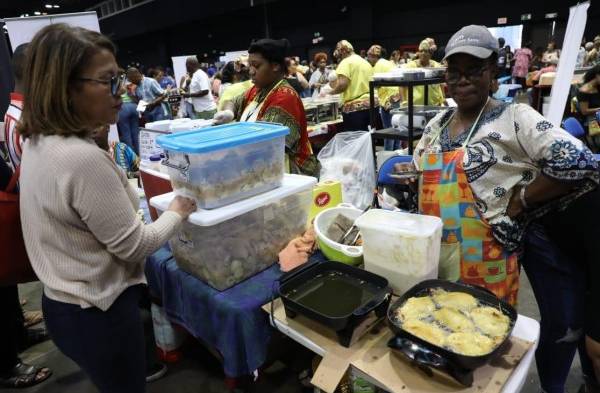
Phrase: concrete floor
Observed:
(200, 372)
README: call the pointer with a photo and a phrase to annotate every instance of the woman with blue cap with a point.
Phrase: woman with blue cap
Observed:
(491, 171)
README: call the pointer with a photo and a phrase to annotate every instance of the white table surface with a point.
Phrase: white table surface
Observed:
(526, 329)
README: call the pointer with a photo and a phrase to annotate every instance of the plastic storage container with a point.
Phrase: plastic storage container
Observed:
(223, 247)
(403, 247)
(151, 131)
(155, 183)
(221, 165)
(148, 146)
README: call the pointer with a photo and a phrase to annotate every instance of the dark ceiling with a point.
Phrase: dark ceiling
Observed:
(15, 8)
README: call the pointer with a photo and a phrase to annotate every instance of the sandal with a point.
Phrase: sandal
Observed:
(25, 375)
(32, 318)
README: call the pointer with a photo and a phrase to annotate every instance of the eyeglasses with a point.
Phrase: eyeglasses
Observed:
(453, 76)
(115, 83)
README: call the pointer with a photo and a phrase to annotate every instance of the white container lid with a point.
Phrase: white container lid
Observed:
(160, 125)
(292, 184)
(154, 172)
(403, 224)
(189, 124)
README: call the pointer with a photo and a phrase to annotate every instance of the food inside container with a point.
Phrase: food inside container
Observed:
(223, 247)
(456, 321)
(450, 326)
(463, 326)
(330, 226)
(221, 165)
(343, 230)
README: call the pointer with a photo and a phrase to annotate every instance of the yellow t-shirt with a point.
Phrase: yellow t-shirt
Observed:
(436, 95)
(233, 91)
(359, 71)
(384, 93)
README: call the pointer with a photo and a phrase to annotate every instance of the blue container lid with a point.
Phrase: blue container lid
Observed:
(221, 137)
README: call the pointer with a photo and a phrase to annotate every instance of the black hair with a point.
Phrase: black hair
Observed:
(591, 73)
(501, 41)
(227, 72)
(243, 74)
(18, 61)
(274, 51)
(384, 53)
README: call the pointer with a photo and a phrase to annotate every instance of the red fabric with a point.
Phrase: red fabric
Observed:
(11, 135)
(285, 97)
(14, 263)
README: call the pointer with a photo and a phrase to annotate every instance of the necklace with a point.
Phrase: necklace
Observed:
(262, 96)
(461, 126)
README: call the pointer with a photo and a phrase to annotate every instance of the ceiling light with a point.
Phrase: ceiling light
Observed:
(56, 6)
(48, 6)
(37, 13)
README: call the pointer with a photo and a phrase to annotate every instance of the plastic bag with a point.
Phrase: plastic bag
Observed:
(348, 157)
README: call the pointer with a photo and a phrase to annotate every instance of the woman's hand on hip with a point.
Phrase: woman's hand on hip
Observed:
(183, 206)
(515, 207)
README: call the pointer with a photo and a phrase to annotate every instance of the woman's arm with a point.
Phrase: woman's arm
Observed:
(302, 80)
(341, 86)
(314, 80)
(542, 189)
(564, 162)
(584, 108)
(100, 198)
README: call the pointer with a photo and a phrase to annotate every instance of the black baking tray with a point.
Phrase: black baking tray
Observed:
(428, 354)
(336, 295)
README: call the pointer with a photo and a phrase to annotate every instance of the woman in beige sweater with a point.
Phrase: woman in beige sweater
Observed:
(78, 212)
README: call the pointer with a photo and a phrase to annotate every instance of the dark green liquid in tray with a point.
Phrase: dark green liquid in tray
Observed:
(333, 294)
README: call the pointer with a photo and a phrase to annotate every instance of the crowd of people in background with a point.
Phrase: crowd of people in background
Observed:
(207, 87)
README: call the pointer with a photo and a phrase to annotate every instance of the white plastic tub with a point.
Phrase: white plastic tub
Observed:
(222, 165)
(148, 134)
(402, 247)
(223, 247)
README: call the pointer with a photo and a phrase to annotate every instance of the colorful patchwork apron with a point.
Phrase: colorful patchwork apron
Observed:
(469, 251)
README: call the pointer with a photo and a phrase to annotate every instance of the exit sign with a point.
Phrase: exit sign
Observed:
(526, 17)
(502, 21)
(552, 15)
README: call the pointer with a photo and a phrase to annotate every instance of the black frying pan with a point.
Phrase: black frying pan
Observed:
(345, 323)
(428, 354)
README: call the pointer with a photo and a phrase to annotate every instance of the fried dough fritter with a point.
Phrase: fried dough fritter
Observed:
(416, 308)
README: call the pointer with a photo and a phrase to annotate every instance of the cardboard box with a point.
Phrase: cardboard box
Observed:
(371, 356)
(326, 195)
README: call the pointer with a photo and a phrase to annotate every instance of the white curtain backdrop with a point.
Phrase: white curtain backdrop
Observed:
(22, 30)
(566, 64)
(512, 35)
(179, 67)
